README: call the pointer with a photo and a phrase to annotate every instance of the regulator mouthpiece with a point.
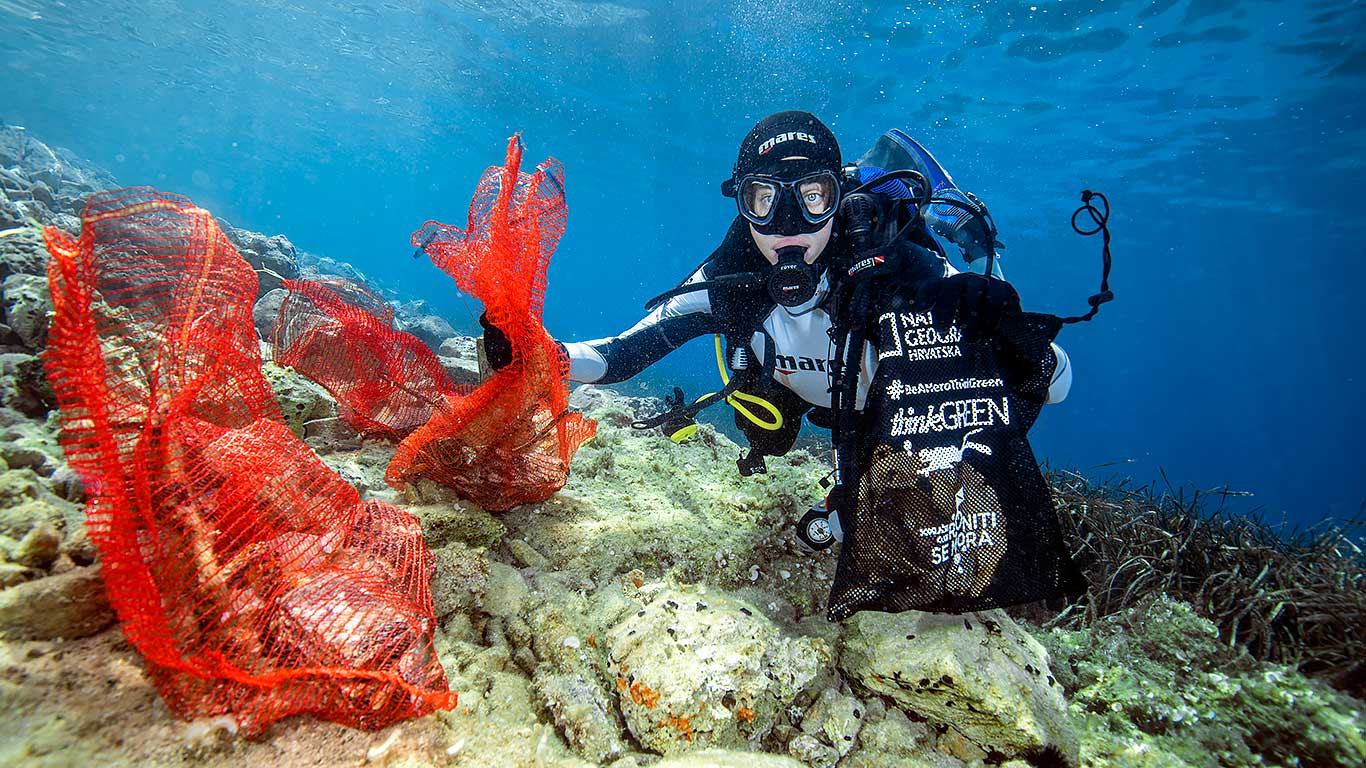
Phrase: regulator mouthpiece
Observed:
(792, 282)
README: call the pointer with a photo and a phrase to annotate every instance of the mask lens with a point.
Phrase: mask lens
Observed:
(759, 197)
(812, 198)
(817, 194)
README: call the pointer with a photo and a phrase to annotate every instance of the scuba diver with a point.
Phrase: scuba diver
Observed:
(831, 299)
(788, 182)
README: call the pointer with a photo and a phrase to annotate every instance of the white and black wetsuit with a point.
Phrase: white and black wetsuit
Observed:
(802, 345)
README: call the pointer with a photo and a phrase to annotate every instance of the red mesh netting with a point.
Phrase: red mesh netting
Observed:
(510, 440)
(250, 576)
(387, 383)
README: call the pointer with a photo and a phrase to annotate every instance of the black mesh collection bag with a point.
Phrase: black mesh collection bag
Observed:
(949, 510)
(943, 505)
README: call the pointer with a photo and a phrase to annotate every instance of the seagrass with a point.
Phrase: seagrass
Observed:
(1292, 596)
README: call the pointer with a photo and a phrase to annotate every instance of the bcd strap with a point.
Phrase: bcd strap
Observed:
(680, 411)
(741, 280)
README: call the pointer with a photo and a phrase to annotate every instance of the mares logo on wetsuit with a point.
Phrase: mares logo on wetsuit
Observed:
(782, 137)
(787, 364)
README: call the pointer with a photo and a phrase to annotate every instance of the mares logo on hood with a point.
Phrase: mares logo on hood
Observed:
(768, 146)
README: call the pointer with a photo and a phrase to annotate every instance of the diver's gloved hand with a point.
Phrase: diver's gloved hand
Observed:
(977, 303)
(909, 263)
(497, 348)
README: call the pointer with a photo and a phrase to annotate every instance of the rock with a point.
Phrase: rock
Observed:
(14, 573)
(326, 267)
(301, 401)
(1156, 679)
(11, 214)
(67, 484)
(610, 406)
(527, 554)
(836, 718)
(813, 751)
(430, 329)
(980, 673)
(272, 256)
(583, 712)
(56, 167)
(39, 548)
(9, 340)
(67, 221)
(27, 308)
(19, 486)
(24, 386)
(364, 469)
(459, 355)
(458, 521)
(698, 670)
(42, 193)
(21, 451)
(28, 444)
(79, 547)
(266, 312)
(461, 576)
(21, 519)
(331, 435)
(562, 627)
(69, 605)
(460, 347)
(460, 372)
(894, 736)
(724, 758)
(22, 253)
(952, 742)
(506, 591)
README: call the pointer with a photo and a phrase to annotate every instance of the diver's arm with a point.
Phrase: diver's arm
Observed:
(618, 358)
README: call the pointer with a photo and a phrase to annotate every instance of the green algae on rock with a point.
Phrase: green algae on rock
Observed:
(722, 758)
(301, 400)
(696, 669)
(1153, 685)
(979, 672)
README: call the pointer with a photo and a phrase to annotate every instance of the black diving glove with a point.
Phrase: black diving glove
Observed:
(977, 303)
(497, 348)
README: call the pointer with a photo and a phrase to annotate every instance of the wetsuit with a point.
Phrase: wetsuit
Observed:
(802, 345)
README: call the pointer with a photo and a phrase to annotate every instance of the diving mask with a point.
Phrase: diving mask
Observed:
(780, 207)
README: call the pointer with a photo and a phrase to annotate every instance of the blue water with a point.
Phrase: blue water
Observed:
(1229, 136)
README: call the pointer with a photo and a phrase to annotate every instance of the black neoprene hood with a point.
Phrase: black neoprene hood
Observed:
(786, 145)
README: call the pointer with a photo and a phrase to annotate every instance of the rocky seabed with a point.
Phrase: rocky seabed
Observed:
(655, 612)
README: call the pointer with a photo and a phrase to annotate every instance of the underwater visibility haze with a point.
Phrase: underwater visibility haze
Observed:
(266, 498)
(1227, 135)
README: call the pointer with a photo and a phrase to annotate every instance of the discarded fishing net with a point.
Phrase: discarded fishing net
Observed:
(250, 576)
(509, 441)
(386, 382)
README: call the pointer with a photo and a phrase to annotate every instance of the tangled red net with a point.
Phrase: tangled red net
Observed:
(509, 441)
(252, 578)
(386, 382)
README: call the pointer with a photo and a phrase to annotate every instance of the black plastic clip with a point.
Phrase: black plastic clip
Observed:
(1101, 298)
(752, 463)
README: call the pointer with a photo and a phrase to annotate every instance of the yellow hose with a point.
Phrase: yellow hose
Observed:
(736, 400)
